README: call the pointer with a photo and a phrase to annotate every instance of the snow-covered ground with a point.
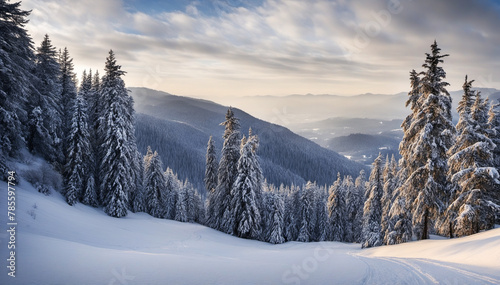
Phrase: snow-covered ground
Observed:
(60, 244)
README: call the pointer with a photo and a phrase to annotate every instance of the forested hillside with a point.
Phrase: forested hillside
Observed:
(179, 128)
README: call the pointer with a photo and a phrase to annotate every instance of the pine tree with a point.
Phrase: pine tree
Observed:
(494, 135)
(276, 226)
(181, 214)
(67, 82)
(200, 209)
(172, 186)
(245, 210)
(321, 229)
(191, 207)
(78, 153)
(138, 194)
(372, 211)
(211, 167)
(89, 196)
(227, 173)
(399, 226)
(93, 99)
(117, 141)
(16, 63)
(387, 197)
(427, 138)
(353, 204)
(211, 177)
(155, 187)
(292, 214)
(356, 204)
(472, 170)
(44, 131)
(307, 213)
(337, 211)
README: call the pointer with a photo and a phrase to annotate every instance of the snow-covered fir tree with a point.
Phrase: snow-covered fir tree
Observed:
(427, 138)
(89, 196)
(211, 167)
(211, 177)
(494, 135)
(44, 129)
(399, 227)
(389, 174)
(227, 173)
(77, 165)
(336, 211)
(372, 211)
(321, 229)
(172, 186)
(181, 213)
(353, 205)
(191, 206)
(307, 212)
(16, 64)
(472, 170)
(276, 222)
(245, 207)
(292, 213)
(155, 187)
(117, 141)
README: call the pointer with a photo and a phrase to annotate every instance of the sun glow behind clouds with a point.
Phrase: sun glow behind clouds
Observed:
(236, 48)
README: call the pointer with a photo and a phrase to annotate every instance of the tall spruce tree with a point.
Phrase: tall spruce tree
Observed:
(307, 213)
(77, 165)
(321, 228)
(89, 196)
(155, 187)
(494, 135)
(16, 79)
(292, 214)
(357, 206)
(172, 186)
(336, 211)
(117, 141)
(44, 128)
(372, 211)
(353, 204)
(211, 177)
(425, 143)
(211, 167)
(227, 173)
(245, 208)
(389, 185)
(471, 169)
(276, 225)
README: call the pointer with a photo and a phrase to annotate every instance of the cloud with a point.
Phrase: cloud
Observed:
(236, 47)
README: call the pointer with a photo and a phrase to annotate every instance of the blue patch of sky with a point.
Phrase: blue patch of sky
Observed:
(213, 8)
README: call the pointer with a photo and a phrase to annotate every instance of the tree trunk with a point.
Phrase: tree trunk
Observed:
(426, 225)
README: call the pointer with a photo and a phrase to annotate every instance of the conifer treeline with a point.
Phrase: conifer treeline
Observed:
(447, 181)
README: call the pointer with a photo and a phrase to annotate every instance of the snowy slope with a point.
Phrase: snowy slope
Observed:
(60, 244)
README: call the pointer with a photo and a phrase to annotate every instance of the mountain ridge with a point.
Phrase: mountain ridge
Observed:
(179, 128)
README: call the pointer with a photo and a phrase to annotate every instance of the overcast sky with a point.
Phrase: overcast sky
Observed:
(269, 47)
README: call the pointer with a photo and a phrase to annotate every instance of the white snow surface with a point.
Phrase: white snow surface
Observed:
(61, 244)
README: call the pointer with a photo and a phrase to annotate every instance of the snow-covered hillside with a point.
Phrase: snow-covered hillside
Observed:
(60, 244)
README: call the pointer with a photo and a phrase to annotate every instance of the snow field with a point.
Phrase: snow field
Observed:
(62, 244)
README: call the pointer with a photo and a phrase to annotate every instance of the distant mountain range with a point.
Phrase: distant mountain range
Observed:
(293, 110)
(329, 120)
(179, 128)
